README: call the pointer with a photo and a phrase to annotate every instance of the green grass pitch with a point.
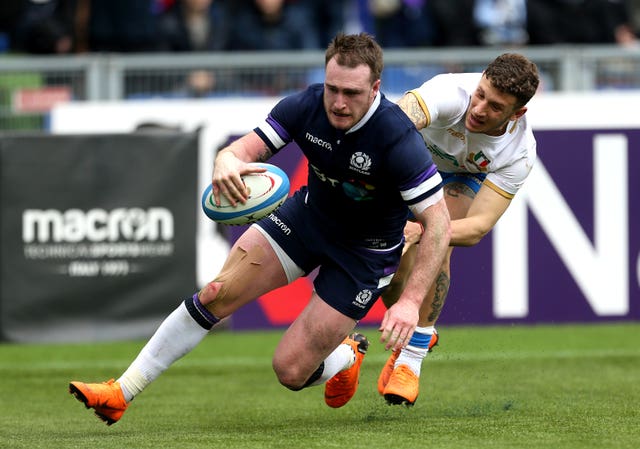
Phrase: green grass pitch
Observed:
(565, 386)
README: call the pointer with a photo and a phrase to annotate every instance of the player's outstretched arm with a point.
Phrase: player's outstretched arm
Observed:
(483, 214)
(485, 211)
(401, 318)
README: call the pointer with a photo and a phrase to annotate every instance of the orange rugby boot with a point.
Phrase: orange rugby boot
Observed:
(385, 374)
(340, 388)
(403, 387)
(106, 399)
(383, 378)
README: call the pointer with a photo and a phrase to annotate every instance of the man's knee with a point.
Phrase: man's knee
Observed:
(209, 292)
(290, 376)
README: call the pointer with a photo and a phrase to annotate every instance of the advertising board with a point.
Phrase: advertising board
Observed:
(567, 250)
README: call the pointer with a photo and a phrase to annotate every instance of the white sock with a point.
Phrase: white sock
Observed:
(414, 353)
(340, 359)
(178, 334)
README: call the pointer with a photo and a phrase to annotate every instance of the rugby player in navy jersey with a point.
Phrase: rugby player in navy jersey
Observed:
(475, 126)
(368, 166)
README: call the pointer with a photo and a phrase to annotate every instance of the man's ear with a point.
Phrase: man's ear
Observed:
(520, 112)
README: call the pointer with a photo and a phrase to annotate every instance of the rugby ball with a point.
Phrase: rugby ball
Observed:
(267, 191)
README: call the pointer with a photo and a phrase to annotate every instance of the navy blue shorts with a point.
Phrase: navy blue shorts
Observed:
(472, 180)
(351, 277)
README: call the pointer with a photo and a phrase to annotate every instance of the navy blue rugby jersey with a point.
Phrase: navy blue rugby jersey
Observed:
(361, 180)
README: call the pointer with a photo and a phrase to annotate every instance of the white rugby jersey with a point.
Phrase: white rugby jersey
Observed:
(506, 159)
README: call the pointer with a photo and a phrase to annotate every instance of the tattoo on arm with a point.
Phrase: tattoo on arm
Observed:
(456, 190)
(409, 104)
(441, 291)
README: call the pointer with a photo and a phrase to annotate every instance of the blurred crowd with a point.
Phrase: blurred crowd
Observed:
(80, 26)
(65, 27)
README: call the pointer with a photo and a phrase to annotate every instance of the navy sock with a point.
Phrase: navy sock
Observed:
(315, 376)
(200, 313)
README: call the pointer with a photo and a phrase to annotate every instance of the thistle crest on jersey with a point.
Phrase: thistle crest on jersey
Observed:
(360, 162)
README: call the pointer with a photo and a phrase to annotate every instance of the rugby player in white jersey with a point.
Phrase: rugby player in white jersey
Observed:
(475, 126)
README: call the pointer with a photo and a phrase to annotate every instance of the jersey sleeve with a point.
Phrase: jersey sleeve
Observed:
(418, 178)
(276, 130)
(508, 180)
(510, 177)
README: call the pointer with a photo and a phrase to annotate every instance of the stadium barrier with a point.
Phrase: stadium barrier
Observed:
(31, 85)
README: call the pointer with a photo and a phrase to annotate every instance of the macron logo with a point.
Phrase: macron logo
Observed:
(318, 141)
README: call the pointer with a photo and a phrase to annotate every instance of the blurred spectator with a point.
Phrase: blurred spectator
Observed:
(402, 23)
(161, 6)
(194, 25)
(358, 17)
(634, 14)
(271, 25)
(329, 17)
(10, 13)
(625, 26)
(579, 22)
(117, 25)
(47, 27)
(501, 22)
(454, 23)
